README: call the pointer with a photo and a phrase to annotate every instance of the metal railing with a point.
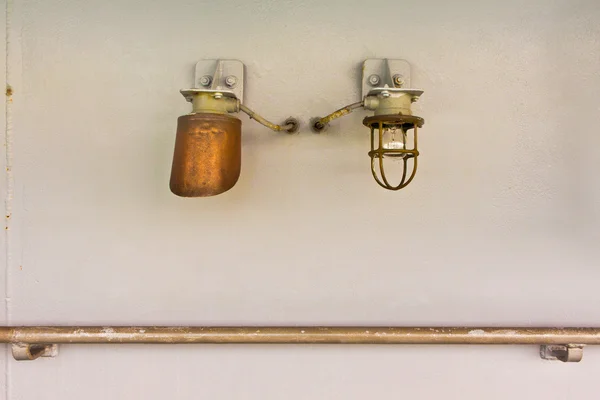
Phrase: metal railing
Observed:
(565, 344)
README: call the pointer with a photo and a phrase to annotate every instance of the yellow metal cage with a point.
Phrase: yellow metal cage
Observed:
(406, 123)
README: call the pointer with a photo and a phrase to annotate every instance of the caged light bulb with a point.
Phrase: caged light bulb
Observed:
(394, 139)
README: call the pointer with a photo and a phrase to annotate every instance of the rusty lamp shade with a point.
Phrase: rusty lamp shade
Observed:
(207, 156)
(390, 137)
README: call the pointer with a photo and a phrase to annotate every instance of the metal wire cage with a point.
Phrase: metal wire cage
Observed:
(379, 125)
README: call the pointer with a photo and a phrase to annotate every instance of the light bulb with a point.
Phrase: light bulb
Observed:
(394, 139)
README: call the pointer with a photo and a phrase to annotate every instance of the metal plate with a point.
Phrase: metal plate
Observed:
(385, 69)
(218, 71)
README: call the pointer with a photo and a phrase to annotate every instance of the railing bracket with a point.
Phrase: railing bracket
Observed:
(26, 352)
(562, 352)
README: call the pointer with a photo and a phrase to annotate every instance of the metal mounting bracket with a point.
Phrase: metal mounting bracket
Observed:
(26, 352)
(386, 75)
(220, 76)
(562, 352)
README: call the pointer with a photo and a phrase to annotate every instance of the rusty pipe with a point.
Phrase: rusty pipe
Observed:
(298, 335)
(321, 123)
(289, 126)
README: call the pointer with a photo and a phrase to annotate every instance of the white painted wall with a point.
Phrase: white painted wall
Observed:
(500, 226)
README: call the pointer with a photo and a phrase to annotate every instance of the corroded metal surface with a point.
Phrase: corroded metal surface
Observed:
(207, 156)
(290, 125)
(23, 351)
(405, 121)
(562, 352)
(321, 123)
(343, 335)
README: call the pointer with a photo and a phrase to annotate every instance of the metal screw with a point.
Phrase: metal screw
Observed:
(218, 95)
(385, 93)
(205, 80)
(374, 80)
(414, 99)
(231, 81)
(398, 80)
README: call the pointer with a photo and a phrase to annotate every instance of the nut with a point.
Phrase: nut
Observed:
(293, 123)
(374, 80)
(398, 80)
(316, 125)
(218, 96)
(231, 81)
(206, 80)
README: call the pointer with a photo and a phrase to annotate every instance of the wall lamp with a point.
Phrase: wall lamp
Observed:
(207, 156)
(208, 150)
(386, 90)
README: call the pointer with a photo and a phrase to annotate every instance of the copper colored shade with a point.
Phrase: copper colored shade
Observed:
(208, 155)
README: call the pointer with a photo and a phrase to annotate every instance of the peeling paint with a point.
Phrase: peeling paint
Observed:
(477, 332)
(506, 332)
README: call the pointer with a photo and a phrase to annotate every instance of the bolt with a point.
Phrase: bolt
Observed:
(374, 80)
(385, 93)
(398, 80)
(414, 99)
(217, 96)
(231, 81)
(205, 80)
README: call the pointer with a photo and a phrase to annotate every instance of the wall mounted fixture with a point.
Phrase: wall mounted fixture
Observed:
(386, 90)
(208, 145)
